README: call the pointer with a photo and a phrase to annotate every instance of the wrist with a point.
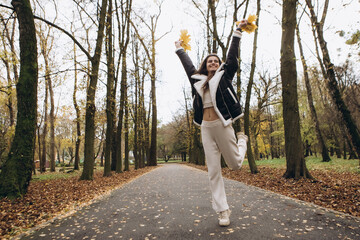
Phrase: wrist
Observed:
(239, 29)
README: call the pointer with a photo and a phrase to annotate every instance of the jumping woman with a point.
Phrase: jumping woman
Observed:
(216, 107)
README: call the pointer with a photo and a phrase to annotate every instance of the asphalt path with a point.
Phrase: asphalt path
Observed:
(173, 202)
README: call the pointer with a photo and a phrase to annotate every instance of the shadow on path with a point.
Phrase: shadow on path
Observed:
(173, 202)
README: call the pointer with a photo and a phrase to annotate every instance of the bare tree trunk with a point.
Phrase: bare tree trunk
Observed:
(121, 116)
(250, 156)
(136, 105)
(324, 150)
(52, 115)
(78, 117)
(46, 44)
(124, 37)
(144, 125)
(153, 143)
(189, 126)
(16, 172)
(88, 170)
(126, 120)
(110, 98)
(295, 161)
(44, 133)
(39, 138)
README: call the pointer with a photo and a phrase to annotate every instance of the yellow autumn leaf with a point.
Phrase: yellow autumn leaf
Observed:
(250, 27)
(252, 18)
(185, 39)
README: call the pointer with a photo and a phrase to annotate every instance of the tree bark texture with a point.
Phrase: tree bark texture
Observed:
(295, 161)
(153, 143)
(52, 114)
(110, 98)
(44, 133)
(250, 156)
(121, 117)
(77, 111)
(126, 120)
(89, 156)
(16, 173)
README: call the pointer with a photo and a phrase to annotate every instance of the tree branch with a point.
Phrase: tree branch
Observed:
(68, 34)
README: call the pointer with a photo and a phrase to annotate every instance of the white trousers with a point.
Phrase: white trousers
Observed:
(219, 140)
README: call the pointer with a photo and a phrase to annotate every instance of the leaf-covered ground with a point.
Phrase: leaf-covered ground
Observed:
(50, 198)
(338, 191)
(57, 197)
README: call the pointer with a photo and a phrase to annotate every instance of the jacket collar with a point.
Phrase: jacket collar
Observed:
(212, 84)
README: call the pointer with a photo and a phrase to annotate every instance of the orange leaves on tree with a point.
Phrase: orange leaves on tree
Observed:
(251, 26)
(185, 39)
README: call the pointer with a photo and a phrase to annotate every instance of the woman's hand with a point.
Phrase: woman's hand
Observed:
(243, 23)
(178, 44)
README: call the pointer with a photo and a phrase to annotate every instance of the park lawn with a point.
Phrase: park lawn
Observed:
(315, 163)
(171, 160)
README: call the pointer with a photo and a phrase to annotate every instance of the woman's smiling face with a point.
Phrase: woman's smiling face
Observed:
(212, 64)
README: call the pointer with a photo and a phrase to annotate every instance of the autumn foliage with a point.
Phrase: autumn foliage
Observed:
(185, 40)
(251, 26)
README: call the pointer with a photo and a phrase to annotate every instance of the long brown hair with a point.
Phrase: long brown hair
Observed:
(202, 69)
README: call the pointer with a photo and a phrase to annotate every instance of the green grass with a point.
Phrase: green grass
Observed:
(58, 174)
(315, 163)
(171, 160)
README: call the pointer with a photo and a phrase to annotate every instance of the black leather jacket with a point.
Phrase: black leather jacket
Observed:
(223, 95)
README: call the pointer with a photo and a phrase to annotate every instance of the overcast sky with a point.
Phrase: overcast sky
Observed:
(343, 15)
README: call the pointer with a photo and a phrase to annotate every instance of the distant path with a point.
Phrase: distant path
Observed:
(173, 202)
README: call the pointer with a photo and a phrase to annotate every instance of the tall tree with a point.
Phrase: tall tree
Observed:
(332, 83)
(249, 152)
(135, 104)
(16, 172)
(151, 55)
(89, 155)
(123, 20)
(110, 97)
(295, 161)
(46, 45)
(324, 150)
(45, 130)
(78, 117)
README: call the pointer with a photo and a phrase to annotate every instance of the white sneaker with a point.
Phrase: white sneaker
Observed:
(224, 218)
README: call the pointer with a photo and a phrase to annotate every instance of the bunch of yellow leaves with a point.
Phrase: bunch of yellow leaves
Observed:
(251, 26)
(185, 39)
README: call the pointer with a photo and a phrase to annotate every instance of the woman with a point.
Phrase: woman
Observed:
(215, 108)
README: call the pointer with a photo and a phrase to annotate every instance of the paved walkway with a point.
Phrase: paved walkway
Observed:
(173, 202)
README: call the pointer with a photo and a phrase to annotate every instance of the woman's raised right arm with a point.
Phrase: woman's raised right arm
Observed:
(185, 60)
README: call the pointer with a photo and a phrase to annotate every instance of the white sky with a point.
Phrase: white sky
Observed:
(180, 14)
